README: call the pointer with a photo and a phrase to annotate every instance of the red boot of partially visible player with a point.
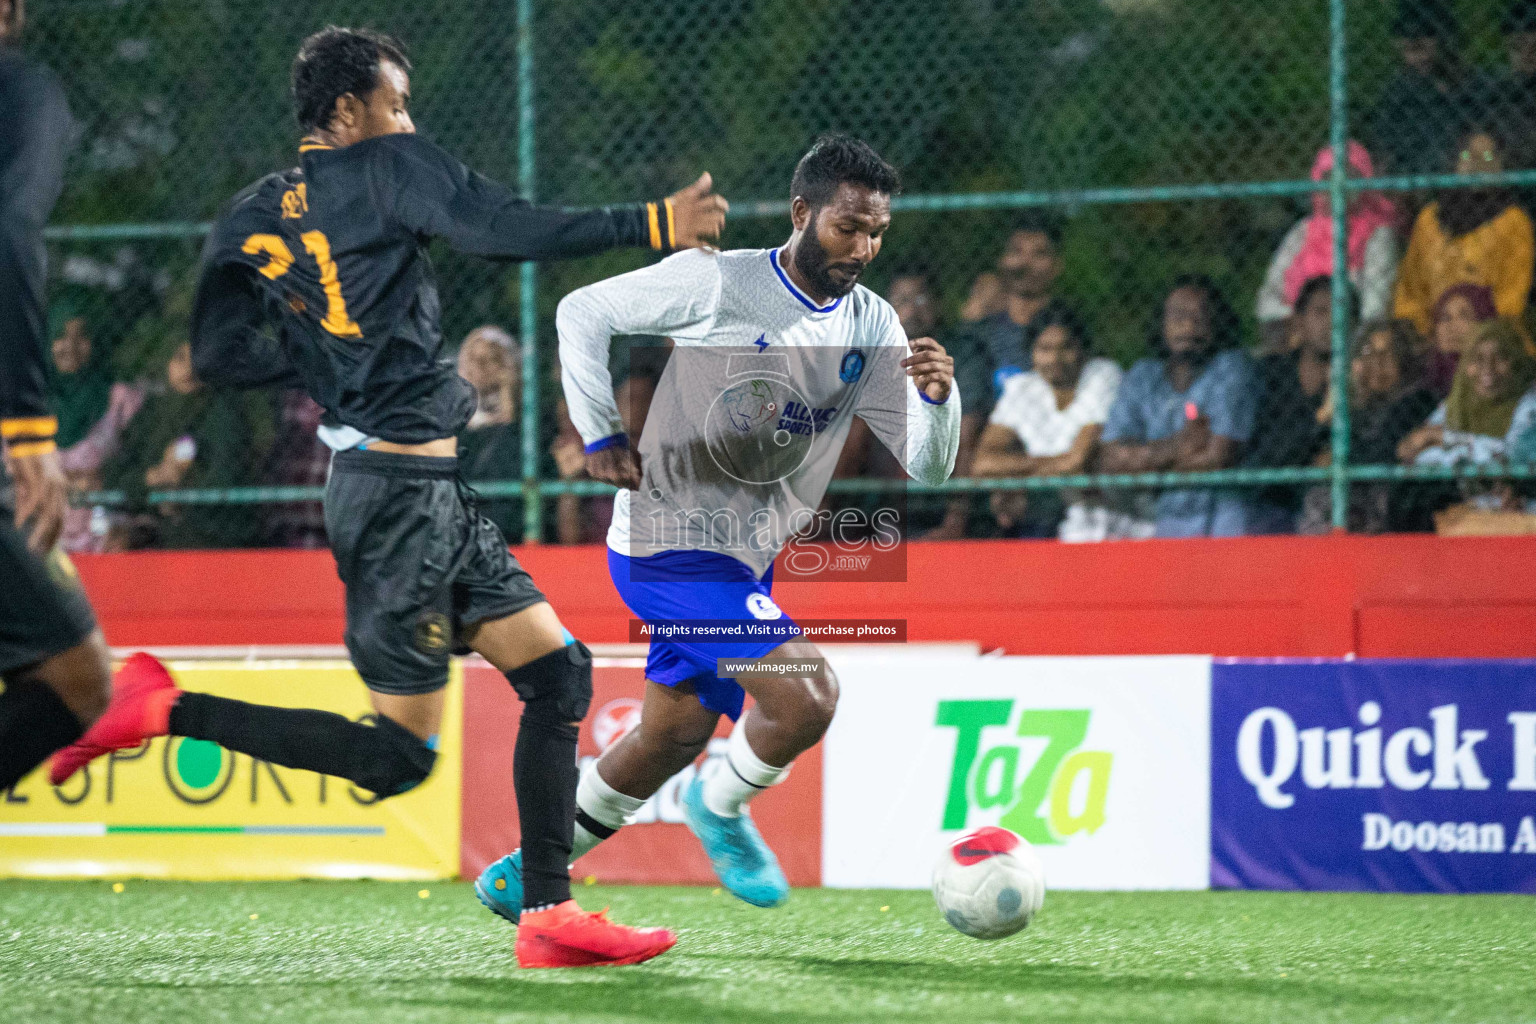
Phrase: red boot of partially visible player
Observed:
(567, 936)
(142, 694)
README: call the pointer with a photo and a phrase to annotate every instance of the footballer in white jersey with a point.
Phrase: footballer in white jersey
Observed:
(775, 351)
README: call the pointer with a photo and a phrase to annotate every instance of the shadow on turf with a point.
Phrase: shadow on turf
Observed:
(1027, 976)
(658, 996)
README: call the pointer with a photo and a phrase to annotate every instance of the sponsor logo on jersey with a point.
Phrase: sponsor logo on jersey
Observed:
(1045, 794)
(762, 607)
(852, 367)
(799, 418)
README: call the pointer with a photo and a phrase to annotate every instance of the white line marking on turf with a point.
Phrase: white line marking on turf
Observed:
(53, 828)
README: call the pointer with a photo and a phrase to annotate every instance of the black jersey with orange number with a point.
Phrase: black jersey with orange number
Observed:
(318, 276)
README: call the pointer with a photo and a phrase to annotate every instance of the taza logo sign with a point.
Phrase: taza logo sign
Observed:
(1062, 792)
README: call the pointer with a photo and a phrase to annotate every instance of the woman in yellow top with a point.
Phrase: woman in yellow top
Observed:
(1470, 236)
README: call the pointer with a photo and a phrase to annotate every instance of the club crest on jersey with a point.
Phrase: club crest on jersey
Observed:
(852, 368)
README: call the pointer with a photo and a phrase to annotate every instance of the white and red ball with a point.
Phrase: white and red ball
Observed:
(989, 883)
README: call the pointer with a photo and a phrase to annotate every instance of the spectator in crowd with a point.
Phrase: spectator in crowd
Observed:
(1188, 409)
(1294, 416)
(190, 436)
(81, 396)
(1388, 399)
(1468, 236)
(299, 459)
(1048, 422)
(79, 389)
(1422, 109)
(1458, 312)
(1473, 423)
(1306, 251)
(1003, 305)
(1510, 103)
(490, 447)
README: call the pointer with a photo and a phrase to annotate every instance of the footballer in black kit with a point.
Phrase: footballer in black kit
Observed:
(318, 277)
(54, 664)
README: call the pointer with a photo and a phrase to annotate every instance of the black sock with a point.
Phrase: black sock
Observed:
(383, 757)
(34, 722)
(544, 774)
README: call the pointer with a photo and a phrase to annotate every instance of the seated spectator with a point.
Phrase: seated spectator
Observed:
(91, 411)
(299, 459)
(190, 436)
(1469, 236)
(1388, 399)
(491, 446)
(79, 389)
(1048, 422)
(1457, 315)
(1188, 409)
(1003, 305)
(1294, 416)
(1422, 108)
(1473, 424)
(1307, 251)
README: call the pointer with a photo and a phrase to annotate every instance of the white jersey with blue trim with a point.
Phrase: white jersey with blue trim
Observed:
(755, 404)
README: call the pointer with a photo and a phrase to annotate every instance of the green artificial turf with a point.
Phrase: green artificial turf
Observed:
(341, 952)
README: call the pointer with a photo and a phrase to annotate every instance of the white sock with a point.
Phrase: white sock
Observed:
(601, 811)
(742, 777)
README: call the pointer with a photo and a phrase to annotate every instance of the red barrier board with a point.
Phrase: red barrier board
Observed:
(1407, 596)
(649, 852)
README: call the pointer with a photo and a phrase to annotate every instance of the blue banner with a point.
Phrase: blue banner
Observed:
(1389, 776)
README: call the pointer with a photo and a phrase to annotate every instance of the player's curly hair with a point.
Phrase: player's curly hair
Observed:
(334, 62)
(836, 158)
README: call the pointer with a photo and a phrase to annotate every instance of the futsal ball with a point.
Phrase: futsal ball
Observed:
(989, 883)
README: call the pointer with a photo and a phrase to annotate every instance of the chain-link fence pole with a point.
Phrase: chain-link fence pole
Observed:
(528, 281)
(1338, 131)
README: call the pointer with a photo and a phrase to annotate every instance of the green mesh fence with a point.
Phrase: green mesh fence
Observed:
(1078, 154)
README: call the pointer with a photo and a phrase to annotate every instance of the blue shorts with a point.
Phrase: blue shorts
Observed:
(680, 586)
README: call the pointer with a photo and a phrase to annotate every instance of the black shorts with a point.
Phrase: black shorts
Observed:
(419, 562)
(43, 610)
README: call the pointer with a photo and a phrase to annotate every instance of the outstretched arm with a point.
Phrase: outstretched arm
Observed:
(677, 296)
(434, 195)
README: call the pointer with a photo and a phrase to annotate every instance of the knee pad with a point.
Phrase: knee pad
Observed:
(556, 688)
(392, 759)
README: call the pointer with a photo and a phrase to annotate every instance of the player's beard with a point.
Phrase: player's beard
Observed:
(812, 261)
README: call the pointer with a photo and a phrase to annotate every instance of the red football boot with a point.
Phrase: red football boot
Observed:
(566, 936)
(142, 695)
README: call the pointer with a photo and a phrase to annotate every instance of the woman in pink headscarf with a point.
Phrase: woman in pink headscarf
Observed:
(1307, 251)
